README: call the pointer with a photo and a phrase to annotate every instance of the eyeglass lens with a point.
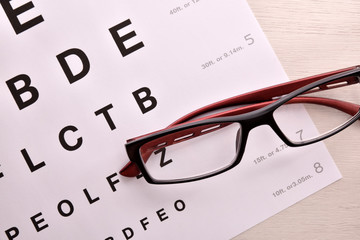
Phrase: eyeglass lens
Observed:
(195, 152)
(307, 121)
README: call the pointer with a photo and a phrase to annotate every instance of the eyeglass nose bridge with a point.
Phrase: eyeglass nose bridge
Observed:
(257, 121)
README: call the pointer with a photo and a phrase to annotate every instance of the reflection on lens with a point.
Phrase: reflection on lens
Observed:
(192, 152)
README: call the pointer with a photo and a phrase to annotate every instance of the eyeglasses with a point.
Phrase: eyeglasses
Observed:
(212, 139)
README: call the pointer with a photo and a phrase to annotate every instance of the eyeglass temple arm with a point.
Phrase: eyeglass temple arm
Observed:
(346, 107)
(267, 94)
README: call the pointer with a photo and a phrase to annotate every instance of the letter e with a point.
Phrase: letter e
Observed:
(37, 222)
(162, 215)
(119, 40)
(13, 13)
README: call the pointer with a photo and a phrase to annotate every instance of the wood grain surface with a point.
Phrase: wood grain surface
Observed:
(310, 37)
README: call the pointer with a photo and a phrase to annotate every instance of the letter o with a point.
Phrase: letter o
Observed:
(61, 211)
(179, 205)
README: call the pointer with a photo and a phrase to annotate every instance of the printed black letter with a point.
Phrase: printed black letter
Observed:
(1, 174)
(179, 208)
(104, 111)
(65, 66)
(163, 163)
(13, 13)
(70, 205)
(36, 222)
(64, 143)
(147, 98)
(11, 235)
(144, 222)
(128, 233)
(119, 40)
(26, 88)
(112, 183)
(30, 164)
(91, 200)
(162, 215)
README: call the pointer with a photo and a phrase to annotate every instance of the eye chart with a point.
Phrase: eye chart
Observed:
(78, 78)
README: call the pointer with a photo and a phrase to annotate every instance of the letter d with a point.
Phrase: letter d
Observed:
(128, 233)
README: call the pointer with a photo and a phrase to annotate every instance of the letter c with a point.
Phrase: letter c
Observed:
(64, 143)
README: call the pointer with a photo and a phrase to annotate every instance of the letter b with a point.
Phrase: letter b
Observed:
(17, 92)
(147, 98)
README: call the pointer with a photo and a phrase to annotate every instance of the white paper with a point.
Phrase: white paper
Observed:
(194, 53)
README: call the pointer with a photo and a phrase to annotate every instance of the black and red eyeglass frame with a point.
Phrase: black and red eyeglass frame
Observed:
(258, 110)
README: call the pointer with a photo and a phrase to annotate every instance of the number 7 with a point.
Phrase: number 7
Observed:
(300, 132)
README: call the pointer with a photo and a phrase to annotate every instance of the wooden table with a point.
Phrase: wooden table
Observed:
(310, 37)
